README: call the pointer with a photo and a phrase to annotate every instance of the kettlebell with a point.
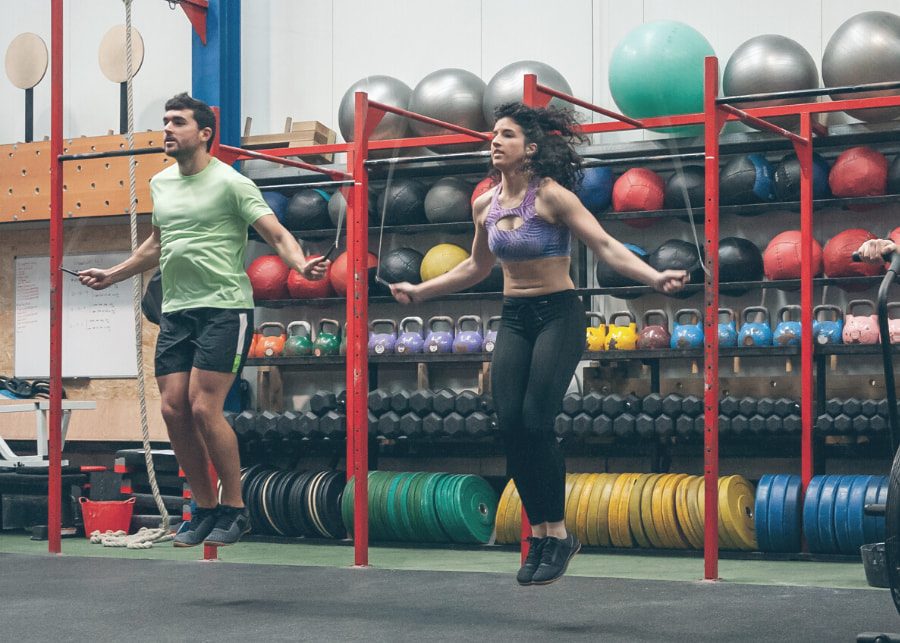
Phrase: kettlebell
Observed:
(410, 341)
(439, 340)
(299, 339)
(728, 335)
(860, 329)
(490, 333)
(893, 323)
(382, 336)
(253, 344)
(755, 333)
(469, 334)
(595, 335)
(828, 331)
(328, 342)
(621, 337)
(787, 332)
(687, 335)
(271, 345)
(654, 336)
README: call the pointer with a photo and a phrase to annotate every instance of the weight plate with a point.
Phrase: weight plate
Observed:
(634, 510)
(391, 510)
(825, 517)
(476, 502)
(693, 504)
(377, 530)
(653, 536)
(725, 541)
(297, 509)
(761, 511)
(842, 514)
(439, 510)
(622, 514)
(856, 512)
(581, 512)
(774, 521)
(670, 515)
(573, 496)
(811, 513)
(683, 513)
(736, 499)
(882, 500)
(514, 518)
(401, 507)
(311, 509)
(500, 525)
(280, 502)
(413, 506)
(592, 515)
(792, 514)
(615, 537)
(603, 510)
(869, 522)
(657, 512)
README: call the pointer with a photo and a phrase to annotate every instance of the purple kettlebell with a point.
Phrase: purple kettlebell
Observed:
(469, 336)
(440, 335)
(490, 334)
(382, 336)
(411, 341)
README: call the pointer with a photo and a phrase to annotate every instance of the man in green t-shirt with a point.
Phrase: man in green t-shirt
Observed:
(201, 210)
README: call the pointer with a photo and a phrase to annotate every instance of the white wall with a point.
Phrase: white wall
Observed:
(299, 56)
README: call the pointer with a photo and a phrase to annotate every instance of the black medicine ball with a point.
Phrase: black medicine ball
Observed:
(746, 179)
(307, 210)
(893, 179)
(690, 179)
(607, 277)
(739, 260)
(676, 254)
(402, 203)
(402, 264)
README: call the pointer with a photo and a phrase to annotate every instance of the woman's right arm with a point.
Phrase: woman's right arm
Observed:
(144, 258)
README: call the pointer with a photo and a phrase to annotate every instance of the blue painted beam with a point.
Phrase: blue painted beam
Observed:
(216, 66)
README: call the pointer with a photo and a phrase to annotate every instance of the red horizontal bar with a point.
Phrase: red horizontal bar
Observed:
(237, 152)
(763, 124)
(431, 121)
(594, 108)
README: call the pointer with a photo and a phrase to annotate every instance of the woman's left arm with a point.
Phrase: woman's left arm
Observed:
(569, 211)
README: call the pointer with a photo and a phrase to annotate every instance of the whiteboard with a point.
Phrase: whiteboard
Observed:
(98, 325)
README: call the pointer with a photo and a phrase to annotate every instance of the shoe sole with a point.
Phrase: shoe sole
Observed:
(217, 543)
(562, 573)
(185, 545)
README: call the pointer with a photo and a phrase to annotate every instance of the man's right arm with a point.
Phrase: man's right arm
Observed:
(143, 259)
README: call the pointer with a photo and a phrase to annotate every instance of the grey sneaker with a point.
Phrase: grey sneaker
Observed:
(532, 560)
(231, 524)
(195, 532)
(555, 559)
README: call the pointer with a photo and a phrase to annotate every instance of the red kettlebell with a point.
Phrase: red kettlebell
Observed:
(653, 336)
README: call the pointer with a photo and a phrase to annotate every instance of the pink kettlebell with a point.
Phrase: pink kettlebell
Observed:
(894, 322)
(860, 329)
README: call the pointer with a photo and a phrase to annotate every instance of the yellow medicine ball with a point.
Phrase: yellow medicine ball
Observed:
(440, 259)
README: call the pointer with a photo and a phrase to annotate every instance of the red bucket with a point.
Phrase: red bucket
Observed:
(106, 515)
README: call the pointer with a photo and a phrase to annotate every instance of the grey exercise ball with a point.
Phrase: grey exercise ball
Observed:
(508, 84)
(383, 89)
(451, 95)
(770, 63)
(337, 207)
(448, 201)
(865, 49)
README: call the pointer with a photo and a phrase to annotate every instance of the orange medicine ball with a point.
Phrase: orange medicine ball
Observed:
(781, 259)
(268, 276)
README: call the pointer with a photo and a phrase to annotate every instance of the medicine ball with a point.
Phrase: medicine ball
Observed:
(639, 189)
(338, 273)
(739, 260)
(402, 264)
(781, 258)
(402, 203)
(607, 277)
(151, 302)
(337, 207)
(299, 287)
(838, 257)
(278, 202)
(893, 177)
(441, 259)
(268, 276)
(859, 171)
(690, 179)
(787, 178)
(307, 210)
(676, 254)
(448, 201)
(492, 283)
(895, 236)
(746, 179)
(483, 186)
(596, 188)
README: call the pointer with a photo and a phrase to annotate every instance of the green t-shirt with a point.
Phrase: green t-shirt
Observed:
(203, 221)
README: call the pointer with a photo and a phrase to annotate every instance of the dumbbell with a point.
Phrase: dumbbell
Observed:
(322, 401)
(602, 426)
(825, 424)
(671, 405)
(444, 402)
(582, 425)
(692, 406)
(267, 427)
(765, 406)
(843, 423)
(389, 425)
(869, 408)
(433, 425)
(774, 424)
(245, 427)
(729, 406)
(411, 425)
(834, 407)
(724, 424)
(740, 424)
(400, 402)
(643, 425)
(614, 405)
(623, 425)
(665, 426)
(287, 425)
(860, 424)
(467, 402)
(420, 402)
(562, 426)
(379, 401)
(455, 425)
(333, 425)
(747, 406)
(487, 404)
(684, 426)
(572, 404)
(791, 423)
(852, 407)
(479, 424)
(652, 405)
(308, 425)
(877, 423)
(757, 424)
(592, 404)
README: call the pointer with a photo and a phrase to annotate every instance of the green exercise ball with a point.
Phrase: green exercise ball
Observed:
(657, 70)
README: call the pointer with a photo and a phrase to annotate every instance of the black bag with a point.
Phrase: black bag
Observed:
(151, 302)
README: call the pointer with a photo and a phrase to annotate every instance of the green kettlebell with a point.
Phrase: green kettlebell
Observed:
(327, 343)
(299, 339)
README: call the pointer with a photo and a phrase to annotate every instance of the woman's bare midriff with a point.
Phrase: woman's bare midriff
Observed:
(536, 277)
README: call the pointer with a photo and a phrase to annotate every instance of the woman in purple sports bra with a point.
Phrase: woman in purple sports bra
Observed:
(526, 222)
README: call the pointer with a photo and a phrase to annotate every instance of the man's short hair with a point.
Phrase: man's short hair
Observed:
(203, 113)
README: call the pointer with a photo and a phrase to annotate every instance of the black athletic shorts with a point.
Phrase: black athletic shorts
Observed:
(211, 339)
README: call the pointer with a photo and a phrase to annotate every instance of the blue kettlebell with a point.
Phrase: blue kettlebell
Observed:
(828, 331)
(728, 335)
(787, 332)
(686, 335)
(382, 336)
(755, 333)
(440, 335)
(469, 336)
(410, 341)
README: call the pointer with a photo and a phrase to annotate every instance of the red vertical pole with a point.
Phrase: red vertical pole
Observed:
(211, 552)
(710, 323)
(804, 155)
(54, 488)
(357, 323)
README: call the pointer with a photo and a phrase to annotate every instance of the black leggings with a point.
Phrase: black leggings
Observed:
(538, 347)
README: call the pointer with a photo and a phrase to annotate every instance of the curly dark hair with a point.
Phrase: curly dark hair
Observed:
(203, 113)
(555, 131)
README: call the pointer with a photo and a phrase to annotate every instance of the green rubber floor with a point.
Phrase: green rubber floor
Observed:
(590, 563)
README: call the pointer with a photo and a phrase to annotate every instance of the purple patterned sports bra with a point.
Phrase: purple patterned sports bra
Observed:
(534, 239)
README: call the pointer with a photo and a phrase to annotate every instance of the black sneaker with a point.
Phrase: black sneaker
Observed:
(555, 559)
(231, 524)
(532, 560)
(195, 532)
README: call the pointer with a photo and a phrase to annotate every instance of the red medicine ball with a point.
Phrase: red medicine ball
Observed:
(268, 276)
(781, 259)
(859, 171)
(300, 287)
(338, 272)
(639, 189)
(839, 256)
(483, 186)
(895, 235)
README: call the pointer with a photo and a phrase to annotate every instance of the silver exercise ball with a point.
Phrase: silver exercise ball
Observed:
(770, 63)
(508, 84)
(448, 201)
(383, 89)
(451, 95)
(865, 49)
